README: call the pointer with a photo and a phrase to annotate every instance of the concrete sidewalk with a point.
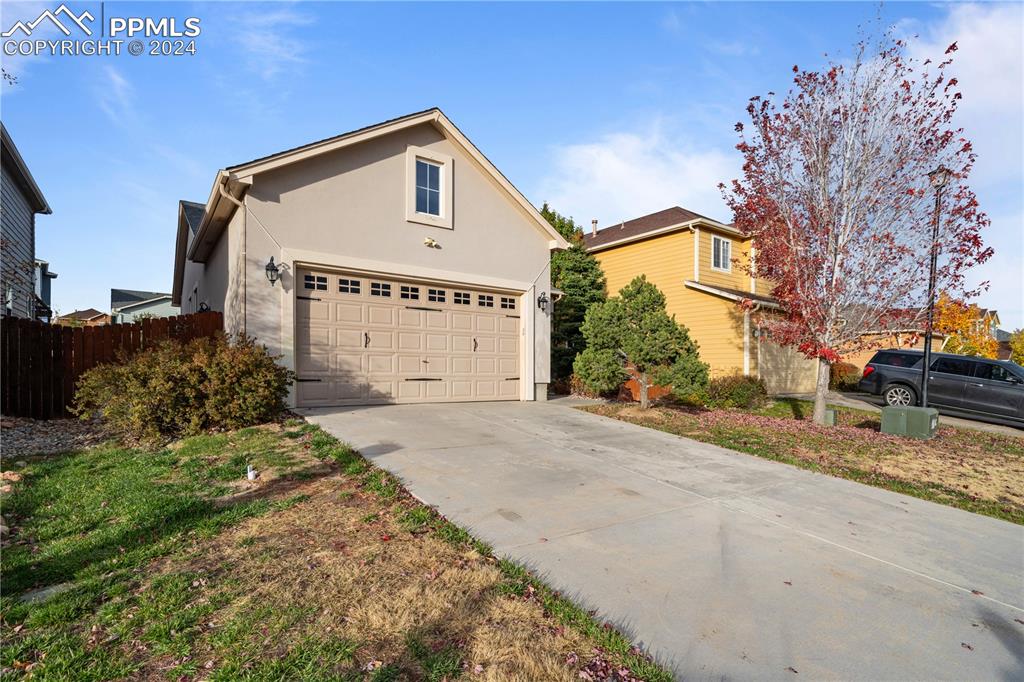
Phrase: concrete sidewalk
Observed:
(725, 565)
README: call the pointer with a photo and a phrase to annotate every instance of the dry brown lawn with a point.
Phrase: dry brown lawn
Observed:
(171, 566)
(974, 470)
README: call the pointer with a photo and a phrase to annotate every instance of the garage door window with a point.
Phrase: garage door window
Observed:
(409, 293)
(485, 300)
(348, 286)
(508, 303)
(316, 282)
(380, 289)
(462, 297)
(436, 295)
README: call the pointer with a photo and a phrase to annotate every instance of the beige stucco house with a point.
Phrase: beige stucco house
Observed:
(409, 268)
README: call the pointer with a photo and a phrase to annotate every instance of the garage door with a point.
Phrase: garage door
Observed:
(363, 340)
(785, 369)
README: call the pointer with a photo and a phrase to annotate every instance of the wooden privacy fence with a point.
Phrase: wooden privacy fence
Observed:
(42, 362)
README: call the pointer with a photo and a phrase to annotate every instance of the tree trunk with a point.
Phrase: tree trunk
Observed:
(642, 381)
(821, 390)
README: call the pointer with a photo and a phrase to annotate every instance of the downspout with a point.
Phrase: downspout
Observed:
(221, 188)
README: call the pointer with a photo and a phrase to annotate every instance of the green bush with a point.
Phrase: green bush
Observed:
(177, 389)
(736, 390)
(844, 377)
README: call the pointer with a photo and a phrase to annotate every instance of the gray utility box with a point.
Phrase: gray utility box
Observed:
(915, 422)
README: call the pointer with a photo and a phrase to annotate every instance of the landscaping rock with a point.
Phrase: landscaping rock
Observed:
(44, 593)
(21, 437)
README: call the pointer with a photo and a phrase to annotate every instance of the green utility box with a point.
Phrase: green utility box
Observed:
(914, 422)
(830, 416)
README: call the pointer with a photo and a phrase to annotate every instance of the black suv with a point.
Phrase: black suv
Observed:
(979, 388)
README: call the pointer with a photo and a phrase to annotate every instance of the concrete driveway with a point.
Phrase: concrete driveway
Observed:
(726, 566)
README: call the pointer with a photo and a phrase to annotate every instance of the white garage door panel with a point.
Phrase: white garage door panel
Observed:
(356, 345)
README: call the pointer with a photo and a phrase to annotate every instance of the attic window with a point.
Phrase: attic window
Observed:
(428, 187)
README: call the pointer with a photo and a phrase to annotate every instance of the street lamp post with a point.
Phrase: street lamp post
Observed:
(938, 179)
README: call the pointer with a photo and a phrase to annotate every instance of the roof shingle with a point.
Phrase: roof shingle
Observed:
(640, 226)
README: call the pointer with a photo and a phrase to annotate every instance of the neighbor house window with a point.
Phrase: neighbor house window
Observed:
(411, 293)
(435, 295)
(485, 301)
(508, 303)
(380, 289)
(721, 254)
(348, 286)
(462, 297)
(428, 187)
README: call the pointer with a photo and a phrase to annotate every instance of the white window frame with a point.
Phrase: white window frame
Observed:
(446, 163)
(728, 256)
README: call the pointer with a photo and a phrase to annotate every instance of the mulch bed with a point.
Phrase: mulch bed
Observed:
(21, 437)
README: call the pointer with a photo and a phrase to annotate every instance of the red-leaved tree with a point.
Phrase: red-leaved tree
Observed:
(836, 195)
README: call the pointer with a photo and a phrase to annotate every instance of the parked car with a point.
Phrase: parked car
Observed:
(978, 388)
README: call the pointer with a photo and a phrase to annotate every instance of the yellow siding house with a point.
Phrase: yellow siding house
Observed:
(700, 266)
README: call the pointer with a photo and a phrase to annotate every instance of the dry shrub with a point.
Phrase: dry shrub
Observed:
(179, 389)
(736, 390)
(844, 377)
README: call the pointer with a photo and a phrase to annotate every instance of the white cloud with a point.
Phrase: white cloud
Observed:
(989, 65)
(270, 47)
(115, 95)
(733, 48)
(627, 174)
(671, 22)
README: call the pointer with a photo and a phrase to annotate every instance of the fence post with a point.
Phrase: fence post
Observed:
(56, 372)
(67, 365)
(36, 349)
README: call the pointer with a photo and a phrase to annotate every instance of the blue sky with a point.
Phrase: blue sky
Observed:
(607, 111)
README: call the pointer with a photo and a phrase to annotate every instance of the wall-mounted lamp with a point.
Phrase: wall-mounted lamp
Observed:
(273, 273)
(542, 301)
(204, 307)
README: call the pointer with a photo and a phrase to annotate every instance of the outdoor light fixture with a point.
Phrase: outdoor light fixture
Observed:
(939, 177)
(273, 273)
(542, 301)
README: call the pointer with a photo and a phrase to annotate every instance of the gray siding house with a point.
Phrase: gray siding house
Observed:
(129, 305)
(20, 199)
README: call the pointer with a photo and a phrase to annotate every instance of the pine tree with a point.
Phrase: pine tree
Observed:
(633, 334)
(578, 275)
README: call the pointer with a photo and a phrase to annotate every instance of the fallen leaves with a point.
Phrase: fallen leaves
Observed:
(967, 646)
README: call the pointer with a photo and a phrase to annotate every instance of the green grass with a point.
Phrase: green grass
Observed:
(91, 521)
(95, 521)
(437, 662)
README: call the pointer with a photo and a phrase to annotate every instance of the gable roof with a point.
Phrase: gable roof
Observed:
(122, 298)
(87, 314)
(193, 214)
(231, 184)
(190, 216)
(434, 116)
(660, 222)
(12, 159)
